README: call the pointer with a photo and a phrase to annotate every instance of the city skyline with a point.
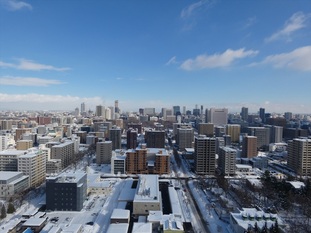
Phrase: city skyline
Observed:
(223, 54)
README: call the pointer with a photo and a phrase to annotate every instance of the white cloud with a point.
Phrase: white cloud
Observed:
(250, 22)
(25, 64)
(295, 22)
(216, 60)
(27, 81)
(187, 11)
(34, 101)
(15, 5)
(298, 59)
(171, 61)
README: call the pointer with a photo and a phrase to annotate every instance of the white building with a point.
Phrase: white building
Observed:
(218, 116)
(12, 183)
(147, 196)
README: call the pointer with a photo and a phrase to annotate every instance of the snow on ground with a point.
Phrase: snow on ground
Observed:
(210, 215)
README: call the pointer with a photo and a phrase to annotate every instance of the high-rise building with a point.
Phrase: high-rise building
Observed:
(66, 192)
(227, 160)
(218, 116)
(115, 137)
(149, 111)
(82, 108)
(299, 156)
(176, 110)
(234, 131)
(64, 151)
(136, 161)
(116, 106)
(6, 124)
(4, 140)
(206, 129)
(12, 183)
(276, 134)
(131, 139)
(185, 138)
(103, 152)
(244, 113)
(33, 164)
(262, 134)
(136, 126)
(100, 111)
(288, 116)
(204, 155)
(219, 131)
(249, 147)
(155, 138)
(262, 115)
(162, 163)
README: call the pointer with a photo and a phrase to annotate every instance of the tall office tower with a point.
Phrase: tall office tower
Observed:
(218, 116)
(136, 161)
(185, 138)
(288, 116)
(249, 147)
(206, 129)
(112, 113)
(33, 164)
(262, 115)
(196, 112)
(116, 106)
(262, 134)
(82, 108)
(204, 155)
(135, 126)
(234, 131)
(108, 114)
(201, 111)
(276, 134)
(176, 110)
(227, 160)
(244, 113)
(149, 111)
(155, 138)
(76, 112)
(4, 141)
(103, 152)
(115, 137)
(64, 151)
(299, 156)
(6, 124)
(163, 113)
(131, 139)
(100, 111)
(220, 131)
(184, 110)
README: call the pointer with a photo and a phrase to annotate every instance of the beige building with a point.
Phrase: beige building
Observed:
(33, 164)
(147, 196)
(234, 131)
(299, 156)
(63, 151)
(206, 129)
(53, 166)
(103, 152)
(24, 144)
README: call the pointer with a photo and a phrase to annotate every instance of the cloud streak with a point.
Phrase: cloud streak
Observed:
(171, 61)
(296, 22)
(224, 59)
(25, 64)
(14, 5)
(27, 81)
(298, 59)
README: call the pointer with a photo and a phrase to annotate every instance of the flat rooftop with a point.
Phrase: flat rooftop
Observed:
(8, 175)
(147, 189)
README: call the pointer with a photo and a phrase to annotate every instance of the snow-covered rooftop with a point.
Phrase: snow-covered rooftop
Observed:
(140, 227)
(297, 184)
(120, 214)
(148, 189)
(120, 228)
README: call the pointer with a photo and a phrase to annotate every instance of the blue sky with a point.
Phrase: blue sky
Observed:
(217, 53)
